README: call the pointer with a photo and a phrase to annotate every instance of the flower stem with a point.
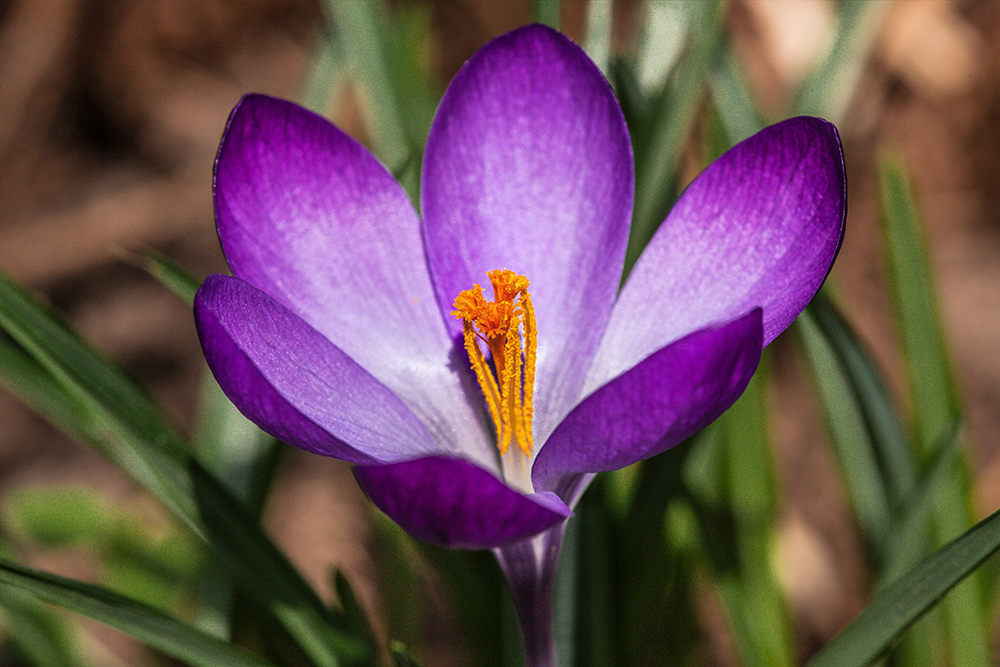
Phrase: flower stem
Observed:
(530, 569)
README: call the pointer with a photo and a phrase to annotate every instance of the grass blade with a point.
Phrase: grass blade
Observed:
(266, 575)
(846, 411)
(94, 399)
(148, 625)
(657, 148)
(827, 90)
(872, 633)
(934, 400)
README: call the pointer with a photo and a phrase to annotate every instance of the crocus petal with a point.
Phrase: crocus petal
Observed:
(295, 384)
(528, 167)
(454, 503)
(667, 397)
(760, 227)
(308, 216)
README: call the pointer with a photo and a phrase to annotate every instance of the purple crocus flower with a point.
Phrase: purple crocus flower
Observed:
(350, 323)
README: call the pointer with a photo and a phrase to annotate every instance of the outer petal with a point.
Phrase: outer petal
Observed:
(307, 215)
(529, 167)
(296, 385)
(454, 503)
(760, 227)
(667, 397)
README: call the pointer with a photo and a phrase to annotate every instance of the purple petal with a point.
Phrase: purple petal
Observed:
(295, 384)
(454, 503)
(760, 227)
(529, 167)
(308, 216)
(667, 397)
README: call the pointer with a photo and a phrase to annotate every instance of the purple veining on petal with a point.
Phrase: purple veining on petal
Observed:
(309, 216)
(454, 503)
(295, 384)
(529, 167)
(760, 227)
(667, 397)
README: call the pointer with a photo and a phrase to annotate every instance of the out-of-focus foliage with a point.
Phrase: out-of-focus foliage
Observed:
(651, 546)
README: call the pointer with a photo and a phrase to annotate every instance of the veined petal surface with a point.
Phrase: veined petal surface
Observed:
(760, 227)
(310, 217)
(529, 167)
(667, 397)
(295, 384)
(454, 503)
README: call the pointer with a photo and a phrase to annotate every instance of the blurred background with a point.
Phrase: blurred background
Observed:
(110, 115)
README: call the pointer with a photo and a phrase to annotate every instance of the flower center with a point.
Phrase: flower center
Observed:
(498, 323)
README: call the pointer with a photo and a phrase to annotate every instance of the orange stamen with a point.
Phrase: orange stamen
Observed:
(509, 395)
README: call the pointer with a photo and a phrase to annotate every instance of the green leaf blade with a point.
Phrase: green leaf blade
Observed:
(141, 621)
(873, 633)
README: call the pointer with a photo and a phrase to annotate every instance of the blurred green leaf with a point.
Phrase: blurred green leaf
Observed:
(148, 625)
(657, 144)
(872, 633)
(36, 633)
(827, 90)
(737, 520)
(733, 100)
(325, 75)
(266, 575)
(847, 412)
(56, 517)
(592, 536)
(233, 448)
(385, 53)
(892, 447)
(92, 399)
(173, 276)
(547, 12)
(597, 43)
(934, 401)
(400, 658)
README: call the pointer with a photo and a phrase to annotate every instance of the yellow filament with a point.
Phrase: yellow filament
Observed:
(530, 357)
(490, 390)
(510, 395)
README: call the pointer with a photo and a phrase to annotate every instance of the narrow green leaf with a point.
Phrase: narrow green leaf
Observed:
(105, 406)
(748, 588)
(325, 75)
(383, 53)
(872, 633)
(827, 90)
(173, 276)
(34, 630)
(400, 657)
(934, 400)
(906, 540)
(33, 326)
(647, 576)
(266, 575)
(847, 420)
(148, 625)
(27, 379)
(547, 12)
(893, 448)
(657, 148)
(598, 41)
(591, 536)
(733, 101)
(233, 448)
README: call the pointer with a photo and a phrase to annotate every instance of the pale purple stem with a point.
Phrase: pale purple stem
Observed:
(530, 569)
